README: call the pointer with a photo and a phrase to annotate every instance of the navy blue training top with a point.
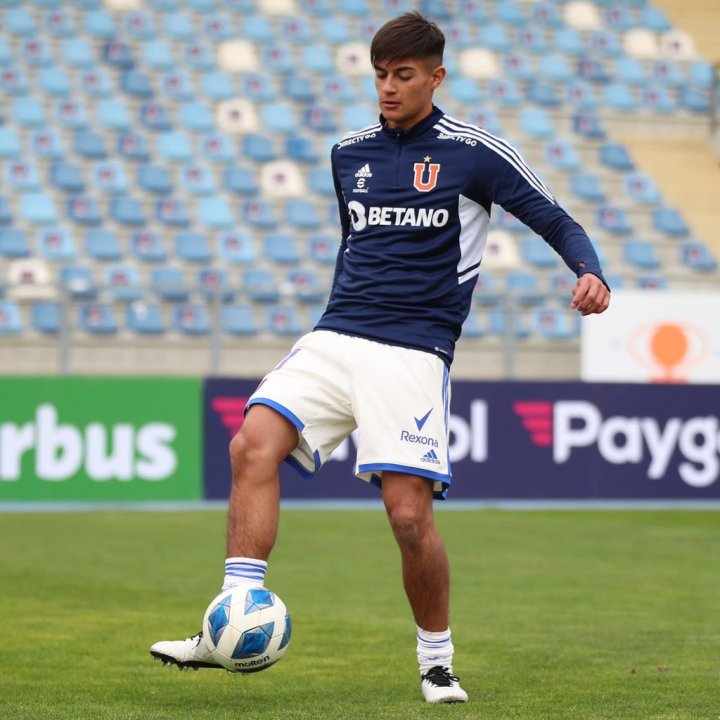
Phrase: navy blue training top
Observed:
(415, 209)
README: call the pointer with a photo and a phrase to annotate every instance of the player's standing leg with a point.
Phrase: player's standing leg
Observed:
(426, 578)
(256, 453)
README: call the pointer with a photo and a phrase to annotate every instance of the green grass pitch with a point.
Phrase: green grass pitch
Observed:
(555, 614)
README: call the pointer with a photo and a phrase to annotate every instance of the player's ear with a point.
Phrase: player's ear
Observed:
(437, 76)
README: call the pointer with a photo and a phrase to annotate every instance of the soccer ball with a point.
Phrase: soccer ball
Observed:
(247, 629)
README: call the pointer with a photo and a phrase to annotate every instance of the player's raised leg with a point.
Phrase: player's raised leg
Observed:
(426, 578)
(256, 452)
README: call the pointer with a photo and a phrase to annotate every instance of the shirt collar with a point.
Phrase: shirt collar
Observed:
(420, 128)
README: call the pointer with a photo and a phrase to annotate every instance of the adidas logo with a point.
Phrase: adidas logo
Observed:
(430, 457)
(364, 171)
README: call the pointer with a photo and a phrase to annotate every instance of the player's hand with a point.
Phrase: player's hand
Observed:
(590, 296)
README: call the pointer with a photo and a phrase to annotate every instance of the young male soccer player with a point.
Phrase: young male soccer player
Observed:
(415, 192)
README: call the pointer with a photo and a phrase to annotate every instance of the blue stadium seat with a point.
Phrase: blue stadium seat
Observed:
(533, 40)
(238, 320)
(322, 249)
(175, 147)
(580, 96)
(319, 119)
(560, 285)
(136, 84)
(197, 180)
(9, 143)
(172, 212)
(618, 17)
(123, 283)
(641, 188)
(78, 52)
(605, 42)
(659, 99)
(619, 97)
(11, 322)
(593, 69)
(614, 220)
(6, 55)
(696, 256)
(283, 320)
(67, 177)
(337, 89)
(19, 22)
(655, 19)
(459, 35)
(45, 317)
(217, 149)
(587, 186)
(486, 118)
(259, 213)
(169, 283)
(192, 247)
(700, 74)
(216, 86)
(5, 212)
(99, 24)
(640, 254)
(217, 28)
(190, 319)
(154, 179)
(36, 52)
(524, 288)
(78, 282)
(133, 146)
(588, 126)
(109, 178)
(89, 145)
(259, 148)
(464, 90)
(504, 92)
(54, 81)
(302, 214)
(84, 210)
(98, 318)
(616, 157)
(215, 213)
(494, 37)
(156, 116)
(195, 117)
(214, 284)
(145, 318)
(46, 144)
(148, 246)
(277, 59)
(535, 252)
(487, 291)
(70, 114)
(335, 30)
(555, 67)
(13, 81)
(536, 123)
(118, 55)
(544, 93)
(298, 88)
(281, 248)
(670, 222)
(569, 41)
(240, 180)
(199, 56)
(56, 244)
(651, 282)
(667, 72)
(178, 26)
(302, 149)
(320, 181)
(112, 114)
(22, 176)
(278, 117)
(37, 209)
(296, 30)
(13, 243)
(260, 285)
(27, 112)
(258, 29)
(103, 245)
(236, 248)
(317, 59)
(554, 324)
(127, 211)
(157, 55)
(506, 323)
(306, 286)
(631, 71)
(139, 25)
(546, 14)
(178, 85)
(696, 100)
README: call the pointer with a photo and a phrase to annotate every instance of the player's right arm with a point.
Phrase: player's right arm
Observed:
(344, 222)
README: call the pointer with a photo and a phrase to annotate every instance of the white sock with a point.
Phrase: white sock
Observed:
(434, 648)
(244, 571)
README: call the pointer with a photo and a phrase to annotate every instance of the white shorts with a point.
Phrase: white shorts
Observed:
(398, 398)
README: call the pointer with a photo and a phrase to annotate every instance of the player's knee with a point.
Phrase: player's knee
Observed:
(408, 523)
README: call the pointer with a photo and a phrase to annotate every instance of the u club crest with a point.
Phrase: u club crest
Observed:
(425, 175)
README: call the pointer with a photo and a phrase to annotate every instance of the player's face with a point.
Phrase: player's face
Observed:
(405, 89)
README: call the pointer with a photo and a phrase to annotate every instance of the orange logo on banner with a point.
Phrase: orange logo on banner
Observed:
(670, 349)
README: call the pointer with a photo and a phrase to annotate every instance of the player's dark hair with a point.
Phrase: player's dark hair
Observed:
(408, 36)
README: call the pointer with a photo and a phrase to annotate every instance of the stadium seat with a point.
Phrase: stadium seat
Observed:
(109, 178)
(258, 213)
(302, 214)
(89, 145)
(9, 143)
(127, 211)
(14, 243)
(28, 112)
(278, 59)
(614, 220)
(667, 72)
(562, 155)
(21, 176)
(260, 285)
(19, 22)
(10, 318)
(175, 147)
(619, 97)
(616, 157)
(651, 282)
(278, 117)
(696, 256)
(236, 247)
(695, 100)
(504, 92)
(143, 318)
(133, 146)
(553, 324)
(13, 81)
(215, 213)
(535, 252)
(169, 283)
(506, 323)
(640, 254)
(190, 319)
(192, 247)
(118, 55)
(84, 210)
(298, 88)
(77, 52)
(215, 86)
(317, 59)
(6, 215)
(524, 288)
(588, 126)
(217, 28)
(178, 26)
(568, 41)
(199, 56)
(154, 179)
(532, 40)
(37, 209)
(156, 117)
(560, 284)
(123, 283)
(238, 320)
(172, 212)
(641, 188)
(555, 67)
(178, 86)
(259, 148)
(214, 284)
(102, 245)
(195, 117)
(587, 187)
(280, 248)
(157, 55)
(670, 222)
(53, 81)
(283, 320)
(67, 177)
(320, 181)
(659, 99)
(240, 180)
(494, 36)
(137, 85)
(99, 24)
(322, 249)
(45, 317)
(78, 282)
(306, 286)
(536, 123)
(217, 149)
(197, 180)
(97, 318)
(46, 144)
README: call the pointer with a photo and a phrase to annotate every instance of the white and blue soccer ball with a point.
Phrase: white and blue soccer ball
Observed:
(247, 629)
